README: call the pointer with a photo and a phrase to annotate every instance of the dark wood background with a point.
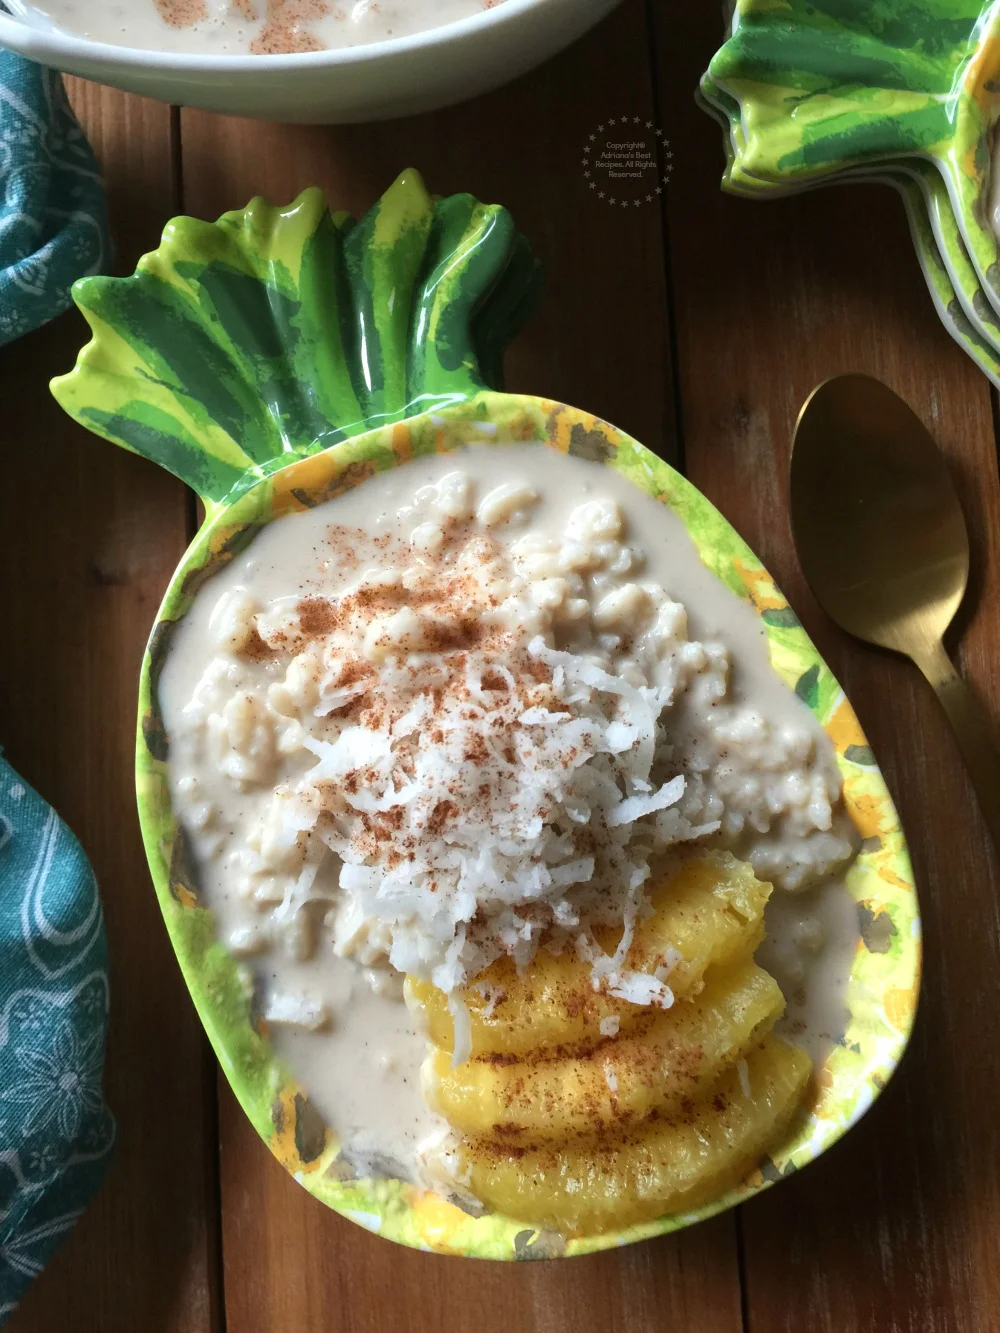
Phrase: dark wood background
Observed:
(699, 327)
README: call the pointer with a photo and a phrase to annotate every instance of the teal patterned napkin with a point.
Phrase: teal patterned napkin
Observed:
(53, 219)
(56, 1133)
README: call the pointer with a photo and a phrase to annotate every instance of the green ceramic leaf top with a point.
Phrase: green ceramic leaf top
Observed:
(273, 333)
(829, 83)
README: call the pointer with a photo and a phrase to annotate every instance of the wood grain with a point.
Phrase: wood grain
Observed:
(599, 340)
(898, 1228)
(89, 538)
(291, 1264)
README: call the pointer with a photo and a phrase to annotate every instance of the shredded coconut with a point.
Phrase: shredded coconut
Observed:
(296, 1011)
(476, 804)
(481, 787)
(470, 749)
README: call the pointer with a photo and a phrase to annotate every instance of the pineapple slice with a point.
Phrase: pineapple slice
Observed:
(665, 1166)
(710, 910)
(668, 1057)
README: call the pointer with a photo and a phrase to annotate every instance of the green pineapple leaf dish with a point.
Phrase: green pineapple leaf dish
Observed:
(283, 356)
(825, 84)
(269, 335)
(819, 89)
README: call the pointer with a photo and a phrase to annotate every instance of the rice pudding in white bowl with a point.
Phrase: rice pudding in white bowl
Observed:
(308, 61)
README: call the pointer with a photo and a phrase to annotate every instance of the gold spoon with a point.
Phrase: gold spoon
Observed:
(882, 542)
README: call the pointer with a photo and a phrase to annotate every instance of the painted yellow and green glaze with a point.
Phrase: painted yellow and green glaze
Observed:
(234, 357)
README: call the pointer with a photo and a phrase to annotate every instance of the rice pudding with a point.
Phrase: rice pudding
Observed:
(468, 711)
(257, 27)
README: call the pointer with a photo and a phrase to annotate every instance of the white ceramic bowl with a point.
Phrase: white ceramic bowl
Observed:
(378, 81)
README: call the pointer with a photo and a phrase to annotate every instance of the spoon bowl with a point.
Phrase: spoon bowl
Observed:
(875, 515)
(883, 544)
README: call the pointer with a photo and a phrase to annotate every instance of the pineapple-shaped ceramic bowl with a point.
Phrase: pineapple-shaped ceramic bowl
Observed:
(280, 357)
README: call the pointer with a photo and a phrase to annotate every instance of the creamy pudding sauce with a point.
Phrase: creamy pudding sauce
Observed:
(354, 1047)
(260, 27)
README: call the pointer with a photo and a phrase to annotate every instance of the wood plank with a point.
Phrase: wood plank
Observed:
(899, 1227)
(90, 554)
(292, 1264)
(600, 340)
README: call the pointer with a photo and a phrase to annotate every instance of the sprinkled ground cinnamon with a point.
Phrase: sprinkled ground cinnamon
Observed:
(285, 26)
(255, 649)
(432, 697)
(182, 13)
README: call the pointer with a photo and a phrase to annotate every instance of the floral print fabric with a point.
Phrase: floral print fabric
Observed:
(53, 219)
(56, 1132)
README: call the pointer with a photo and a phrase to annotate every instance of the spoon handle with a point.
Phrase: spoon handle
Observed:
(972, 731)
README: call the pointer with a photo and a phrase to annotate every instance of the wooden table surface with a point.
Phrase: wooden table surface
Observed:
(698, 324)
